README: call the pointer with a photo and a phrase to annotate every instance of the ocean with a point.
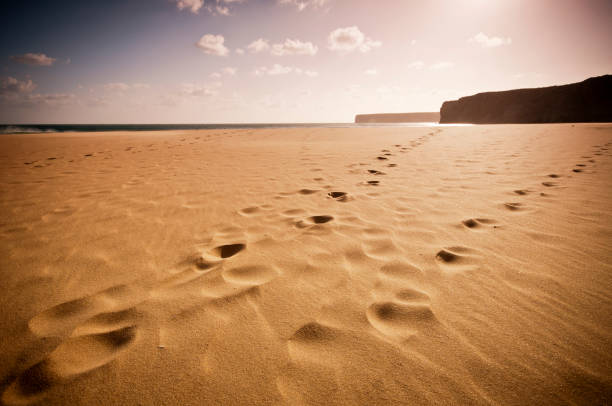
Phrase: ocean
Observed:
(55, 128)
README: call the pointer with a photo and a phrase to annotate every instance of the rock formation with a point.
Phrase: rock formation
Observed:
(586, 101)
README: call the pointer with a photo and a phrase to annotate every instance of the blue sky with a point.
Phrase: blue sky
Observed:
(138, 61)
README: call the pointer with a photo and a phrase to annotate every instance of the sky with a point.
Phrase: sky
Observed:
(266, 61)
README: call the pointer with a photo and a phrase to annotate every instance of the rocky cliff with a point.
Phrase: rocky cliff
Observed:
(586, 101)
(398, 118)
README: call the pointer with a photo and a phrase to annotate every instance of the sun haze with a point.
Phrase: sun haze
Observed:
(222, 61)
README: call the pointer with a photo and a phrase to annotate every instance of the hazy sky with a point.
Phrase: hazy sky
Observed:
(224, 61)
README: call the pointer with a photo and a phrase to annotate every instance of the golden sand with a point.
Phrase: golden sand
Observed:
(391, 266)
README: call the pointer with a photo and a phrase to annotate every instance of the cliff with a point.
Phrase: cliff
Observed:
(398, 118)
(586, 101)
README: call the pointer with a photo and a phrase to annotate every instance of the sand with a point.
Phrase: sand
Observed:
(313, 266)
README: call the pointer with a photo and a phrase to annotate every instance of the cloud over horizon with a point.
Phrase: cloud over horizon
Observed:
(294, 47)
(349, 39)
(20, 93)
(34, 59)
(489, 42)
(303, 4)
(11, 86)
(278, 69)
(192, 5)
(213, 45)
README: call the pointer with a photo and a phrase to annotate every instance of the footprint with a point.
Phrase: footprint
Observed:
(339, 196)
(73, 357)
(307, 191)
(249, 211)
(63, 318)
(252, 275)
(470, 223)
(549, 184)
(382, 158)
(392, 165)
(107, 322)
(554, 175)
(314, 332)
(375, 172)
(456, 259)
(227, 251)
(373, 182)
(321, 219)
(475, 223)
(312, 343)
(577, 170)
(514, 206)
(399, 319)
(411, 295)
(522, 192)
(400, 271)
(313, 220)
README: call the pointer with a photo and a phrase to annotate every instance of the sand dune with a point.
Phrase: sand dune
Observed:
(313, 266)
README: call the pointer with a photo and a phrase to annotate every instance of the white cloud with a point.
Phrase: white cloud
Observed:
(441, 65)
(371, 72)
(199, 90)
(303, 4)
(213, 45)
(117, 86)
(258, 45)
(34, 59)
(227, 71)
(96, 101)
(19, 93)
(215, 7)
(349, 39)
(239, 51)
(10, 85)
(489, 42)
(192, 5)
(278, 69)
(122, 87)
(294, 47)
(224, 11)
(52, 99)
(415, 65)
(413, 42)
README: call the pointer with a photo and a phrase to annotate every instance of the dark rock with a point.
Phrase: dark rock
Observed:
(586, 101)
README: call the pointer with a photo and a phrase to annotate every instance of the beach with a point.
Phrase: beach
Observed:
(308, 266)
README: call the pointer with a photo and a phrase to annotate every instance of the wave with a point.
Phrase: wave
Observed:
(15, 129)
